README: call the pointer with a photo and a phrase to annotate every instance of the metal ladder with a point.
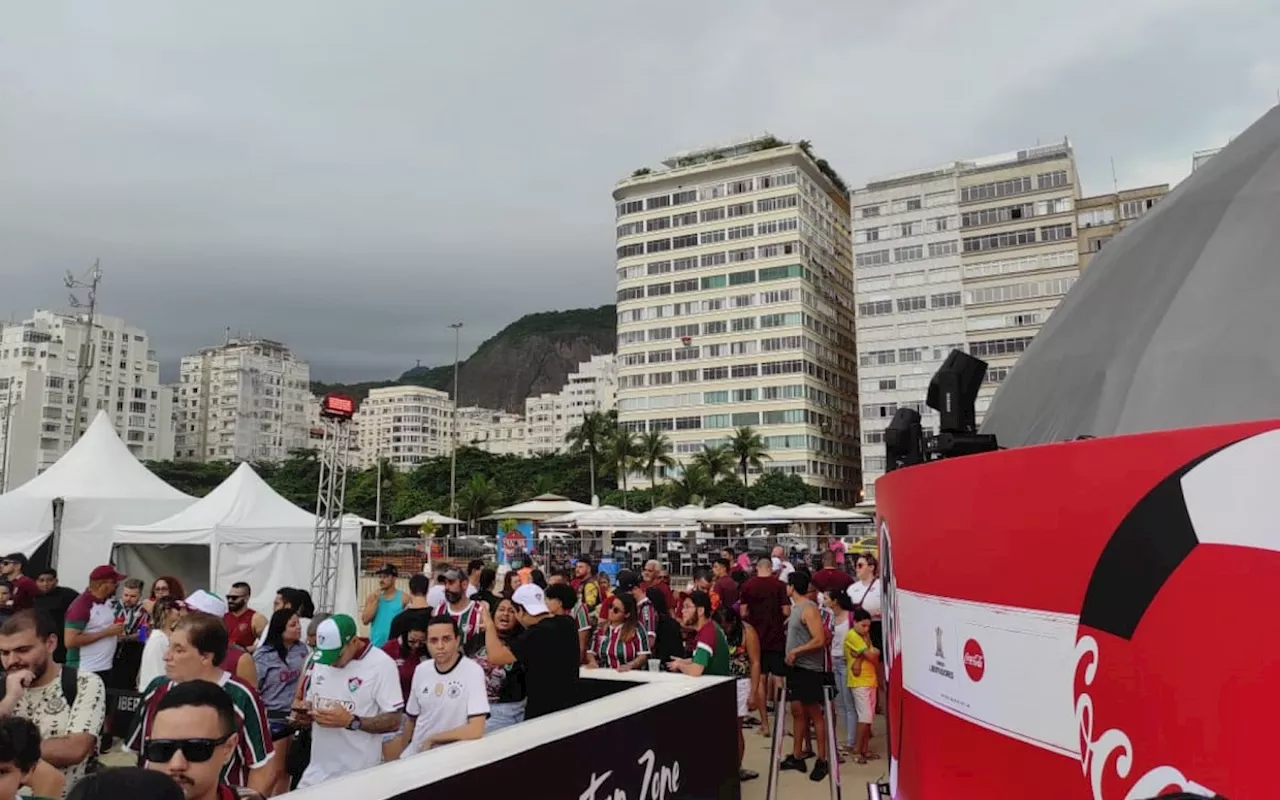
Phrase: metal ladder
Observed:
(779, 738)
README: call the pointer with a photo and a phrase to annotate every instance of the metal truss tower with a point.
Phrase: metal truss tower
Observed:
(330, 498)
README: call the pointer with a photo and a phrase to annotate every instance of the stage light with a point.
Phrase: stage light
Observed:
(954, 391)
(903, 440)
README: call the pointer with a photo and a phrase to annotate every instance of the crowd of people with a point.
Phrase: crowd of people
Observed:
(234, 703)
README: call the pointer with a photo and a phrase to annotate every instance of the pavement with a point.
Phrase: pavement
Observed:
(794, 786)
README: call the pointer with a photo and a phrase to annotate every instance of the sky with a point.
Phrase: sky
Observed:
(350, 178)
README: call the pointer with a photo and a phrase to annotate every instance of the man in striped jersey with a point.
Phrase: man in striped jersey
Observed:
(630, 583)
(566, 601)
(464, 610)
(196, 647)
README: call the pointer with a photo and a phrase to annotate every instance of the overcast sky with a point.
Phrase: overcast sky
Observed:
(351, 177)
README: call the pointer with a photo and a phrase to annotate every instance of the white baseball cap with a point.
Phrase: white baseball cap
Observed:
(530, 598)
(208, 602)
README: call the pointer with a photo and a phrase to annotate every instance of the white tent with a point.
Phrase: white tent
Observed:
(539, 508)
(612, 518)
(101, 485)
(241, 531)
(815, 512)
(726, 514)
(426, 516)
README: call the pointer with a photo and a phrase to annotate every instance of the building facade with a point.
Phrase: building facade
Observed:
(550, 416)
(735, 308)
(972, 255)
(497, 432)
(38, 376)
(245, 400)
(1100, 218)
(405, 425)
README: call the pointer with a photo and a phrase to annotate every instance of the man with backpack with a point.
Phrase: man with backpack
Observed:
(67, 705)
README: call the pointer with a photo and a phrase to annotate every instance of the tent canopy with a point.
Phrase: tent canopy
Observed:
(432, 516)
(102, 485)
(541, 507)
(1173, 324)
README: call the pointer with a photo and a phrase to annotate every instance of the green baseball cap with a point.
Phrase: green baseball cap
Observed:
(331, 636)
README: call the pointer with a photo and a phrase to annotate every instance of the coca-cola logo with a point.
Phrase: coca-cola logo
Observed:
(975, 663)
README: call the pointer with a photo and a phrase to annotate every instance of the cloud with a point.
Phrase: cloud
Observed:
(351, 179)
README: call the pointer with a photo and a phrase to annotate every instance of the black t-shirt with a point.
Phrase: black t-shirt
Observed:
(55, 603)
(549, 653)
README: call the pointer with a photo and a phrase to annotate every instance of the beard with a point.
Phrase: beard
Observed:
(38, 668)
(453, 597)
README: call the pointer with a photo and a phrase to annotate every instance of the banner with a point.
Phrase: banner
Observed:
(1086, 619)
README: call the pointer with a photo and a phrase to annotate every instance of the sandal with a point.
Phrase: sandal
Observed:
(747, 775)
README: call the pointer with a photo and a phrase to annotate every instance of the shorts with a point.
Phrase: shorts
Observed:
(280, 729)
(864, 703)
(807, 687)
(744, 696)
(773, 662)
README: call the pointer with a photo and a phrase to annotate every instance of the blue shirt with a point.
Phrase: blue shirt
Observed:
(388, 609)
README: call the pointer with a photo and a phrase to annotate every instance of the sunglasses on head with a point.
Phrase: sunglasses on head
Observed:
(197, 751)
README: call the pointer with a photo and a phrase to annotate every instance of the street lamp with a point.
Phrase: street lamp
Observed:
(453, 449)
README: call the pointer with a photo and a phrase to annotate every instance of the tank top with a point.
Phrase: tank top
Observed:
(798, 634)
(240, 627)
(838, 631)
(388, 609)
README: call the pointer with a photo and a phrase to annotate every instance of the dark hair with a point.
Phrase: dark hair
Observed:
(293, 598)
(4, 584)
(306, 606)
(562, 574)
(871, 561)
(176, 590)
(538, 578)
(828, 559)
(133, 583)
(242, 585)
(487, 576)
(30, 619)
(207, 634)
(842, 599)
(50, 571)
(112, 784)
(507, 588)
(562, 592)
(161, 607)
(19, 743)
(202, 694)
(730, 620)
(799, 581)
(657, 599)
(702, 600)
(445, 619)
(724, 562)
(275, 631)
(631, 614)
(739, 576)
(859, 614)
(475, 564)
(419, 584)
(586, 559)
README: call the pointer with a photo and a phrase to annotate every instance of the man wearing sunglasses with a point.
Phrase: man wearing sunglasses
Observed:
(192, 740)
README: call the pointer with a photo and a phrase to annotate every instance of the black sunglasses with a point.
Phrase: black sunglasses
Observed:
(197, 751)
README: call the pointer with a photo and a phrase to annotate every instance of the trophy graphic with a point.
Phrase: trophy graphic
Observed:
(938, 631)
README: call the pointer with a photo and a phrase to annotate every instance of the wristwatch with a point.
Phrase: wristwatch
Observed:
(354, 724)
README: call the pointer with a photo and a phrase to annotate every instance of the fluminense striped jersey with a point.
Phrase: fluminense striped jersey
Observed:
(829, 625)
(612, 651)
(253, 747)
(468, 623)
(648, 619)
(582, 617)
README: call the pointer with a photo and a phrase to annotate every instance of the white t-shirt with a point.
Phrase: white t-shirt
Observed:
(368, 686)
(101, 655)
(152, 665)
(866, 596)
(782, 568)
(471, 590)
(442, 701)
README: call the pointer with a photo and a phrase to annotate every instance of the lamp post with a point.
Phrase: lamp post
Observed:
(453, 436)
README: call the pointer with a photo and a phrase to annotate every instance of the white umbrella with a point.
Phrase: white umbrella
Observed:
(544, 506)
(815, 512)
(725, 514)
(769, 515)
(429, 516)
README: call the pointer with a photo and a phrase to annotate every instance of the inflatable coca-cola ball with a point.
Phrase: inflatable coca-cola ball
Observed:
(1177, 661)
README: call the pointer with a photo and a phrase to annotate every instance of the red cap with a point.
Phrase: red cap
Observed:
(106, 572)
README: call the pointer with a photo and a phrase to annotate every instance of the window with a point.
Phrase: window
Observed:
(746, 348)
(657, 223)
(997, 216)
(658, 267)
(875, 258)
(740, 187)
(744, 254)
(944, 300)
(866, 235)
(913, 204)
(917, 303)
(630, 229)
(715, 398)
(791, 416)
(633, 271)
(711, 214)
(661, 201)
(688, 423)
(1019, 291)
(659, 378)
(1051, 180)
(659, 356)
(875, 358)
(745, 395)
(780, 273)
(740, 278)
(781, 343)
(879, 410)
(715, 373)
(657, 245)
(910, 355)
(746, 418)
(1096, 244)
(912, 253)
(711, 192)
(682, 264)
(1096, 216)
(779, 320)
(1010, 266)
(742, 324)
(1055, 233)
(742, 232)
(938, 224)
(715, 328)
(875, 308)
(714, 282)
(869, 211)
(716, 421)
(630, 207)
(713, 259)
(741, 209)
(628, 250)
(997, 241)
(991, 191)
(997, 375)
(687, 376)
(999, 347)
(657, 289)
(774, 181)
(686, 353)
(687, 285)
(744, 370)
(684, 196)
(711, 237)
(688, 240)
(777, 203)
(682, 220)
(906, 229)
(630, 294)
(1132, 209)
(658, 334)
(781, 367)
(939, 249)
(777, 226)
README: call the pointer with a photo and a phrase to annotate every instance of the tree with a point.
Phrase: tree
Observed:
(715, 460)
(692, 486)
(788, 491)
(622, 453)
(749, 449)
(588, 437)
(477, 498)
(655, 451)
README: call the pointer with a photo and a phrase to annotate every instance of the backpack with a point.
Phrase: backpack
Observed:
(68, 681)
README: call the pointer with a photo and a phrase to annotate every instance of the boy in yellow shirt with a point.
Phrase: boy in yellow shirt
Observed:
(862, 659)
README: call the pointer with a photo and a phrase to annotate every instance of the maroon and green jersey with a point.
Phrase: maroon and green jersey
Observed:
(829, 625)
(582, 617)
(253, 747)
(711, 650)
(648, 619)
(469, 624)
(612, 651)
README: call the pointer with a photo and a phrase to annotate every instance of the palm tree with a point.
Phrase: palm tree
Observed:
(749, 449)
(655, 451)
(588, 437)
(477, 498)
(715, 460)
(693, 485)
(622, 453)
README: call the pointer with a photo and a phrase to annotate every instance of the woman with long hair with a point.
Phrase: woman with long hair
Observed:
(510, 582)
(164, 586)
(504, 684)
(744, 664)
(841, 605)
(279, 663)
(538, 579)
(620, 643)
(865, 592)
(165, 613)
(668, 639)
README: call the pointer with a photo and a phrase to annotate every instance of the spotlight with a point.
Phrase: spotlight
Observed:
(903, 440)
(954, 391)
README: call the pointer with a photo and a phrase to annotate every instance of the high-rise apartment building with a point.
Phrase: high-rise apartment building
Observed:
(38, 375)
(244, 400)
(735, 307)
(550, 416)
(497, 432)
(972, 255)
(404, 425)
(1100, 218)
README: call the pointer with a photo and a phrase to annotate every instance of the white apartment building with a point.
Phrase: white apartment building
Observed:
(497, 432)
(244, 400)
(404, 425)
(735, 308)
(550, 416)
(972, 255)
(38, 361)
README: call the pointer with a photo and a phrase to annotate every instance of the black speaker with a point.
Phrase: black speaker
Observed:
(953, 392)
